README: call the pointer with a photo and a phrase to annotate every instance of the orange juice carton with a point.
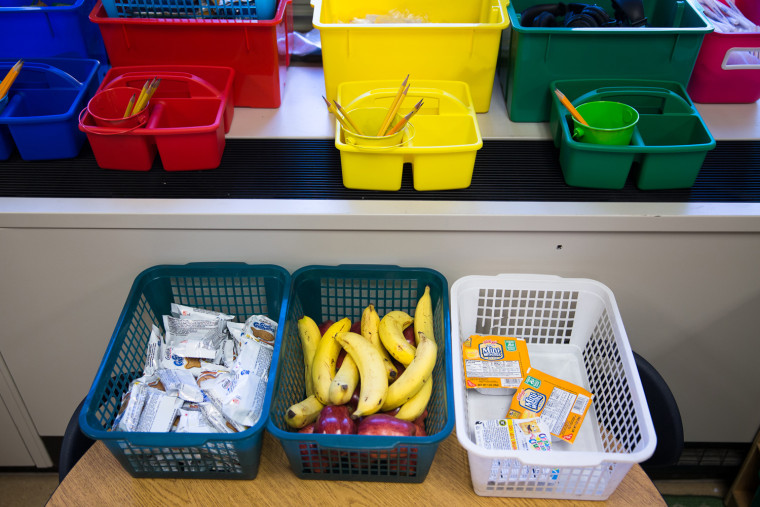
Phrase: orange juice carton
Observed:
(560, 405)
(494, 364)
(515, 435)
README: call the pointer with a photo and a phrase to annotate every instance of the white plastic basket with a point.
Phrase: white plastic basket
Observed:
(574, 331)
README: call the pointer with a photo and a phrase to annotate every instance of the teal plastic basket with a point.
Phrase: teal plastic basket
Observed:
(332, 293)
(232, 288)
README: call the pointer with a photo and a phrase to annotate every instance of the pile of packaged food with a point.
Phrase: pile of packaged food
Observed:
(542, 406)
(206, 374)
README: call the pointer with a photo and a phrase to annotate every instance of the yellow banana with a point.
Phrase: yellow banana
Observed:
(411, 381)
(423, 317)
(344, 383)
(303, 413)
(391, 331)
(323, 368)
(417, 404)
(370, 323)
(308, 331)
(374, 381)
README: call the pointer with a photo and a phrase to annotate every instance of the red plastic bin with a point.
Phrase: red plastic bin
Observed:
(188, 117)
(258, 50)
(716, 79)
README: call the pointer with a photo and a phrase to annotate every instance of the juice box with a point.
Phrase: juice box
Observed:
(494, 364)
(560, 405)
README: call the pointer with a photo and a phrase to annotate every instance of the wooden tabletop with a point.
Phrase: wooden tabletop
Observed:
(99, 479)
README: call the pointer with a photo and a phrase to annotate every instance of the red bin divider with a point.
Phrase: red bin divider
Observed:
(258, 50)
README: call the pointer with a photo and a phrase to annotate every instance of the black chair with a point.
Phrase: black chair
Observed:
(665, 416)
(75, 444)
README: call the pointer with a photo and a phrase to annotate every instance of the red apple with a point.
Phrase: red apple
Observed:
(384, 424)
(420, 423)
(309, 428)
(325, 326)
(354, 401)
(356, 327)
(335, 420)
(399, 370)
(409, 335)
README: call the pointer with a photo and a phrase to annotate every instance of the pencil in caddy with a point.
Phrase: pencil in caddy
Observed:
(38, 114)
(440, 141)
(573, 331)
(184, 121)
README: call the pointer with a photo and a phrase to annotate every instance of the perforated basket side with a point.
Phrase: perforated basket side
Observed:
(569, 318)
(333, 293)
(237, 289)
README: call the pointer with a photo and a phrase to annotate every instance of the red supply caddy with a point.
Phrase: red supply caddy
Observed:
(184, 122)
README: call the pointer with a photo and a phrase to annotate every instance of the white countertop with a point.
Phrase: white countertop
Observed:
(303, 115)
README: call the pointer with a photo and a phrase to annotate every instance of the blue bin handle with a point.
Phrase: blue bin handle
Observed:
(52, 70)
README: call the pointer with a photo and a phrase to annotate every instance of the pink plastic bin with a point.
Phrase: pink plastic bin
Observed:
(715, 78)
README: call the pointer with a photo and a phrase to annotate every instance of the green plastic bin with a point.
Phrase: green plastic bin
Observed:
(332, 293)
(232, 288)
(532, 57)
(669, 143)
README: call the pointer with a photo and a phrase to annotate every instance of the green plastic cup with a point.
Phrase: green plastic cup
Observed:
(609, 123)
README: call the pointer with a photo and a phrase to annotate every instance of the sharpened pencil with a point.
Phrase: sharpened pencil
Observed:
(347, 118)
(130, 105)
(10, 77)
(337, 115)
(403, 121)
(393, 109)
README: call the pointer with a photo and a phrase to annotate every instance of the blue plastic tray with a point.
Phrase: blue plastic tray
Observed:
(60, 30)
(332, 293)
(232, 288)
(41, 116)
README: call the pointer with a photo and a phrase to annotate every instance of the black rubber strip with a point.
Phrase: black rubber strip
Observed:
(505, 170)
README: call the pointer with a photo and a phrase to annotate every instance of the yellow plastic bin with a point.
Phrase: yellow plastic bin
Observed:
(440, 141)
(458, 41)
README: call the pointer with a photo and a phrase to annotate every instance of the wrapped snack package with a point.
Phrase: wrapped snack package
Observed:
(261, 329)
(515, 435)
(560, 405)
(187, 312)
(180, 383)
(206, 374)
(196, 338)
(153, 353)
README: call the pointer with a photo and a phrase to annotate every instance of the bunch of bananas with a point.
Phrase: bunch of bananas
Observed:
(370, 363)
